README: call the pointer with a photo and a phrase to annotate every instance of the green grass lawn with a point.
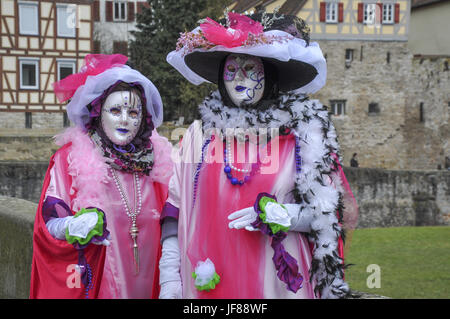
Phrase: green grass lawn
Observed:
(414, 261)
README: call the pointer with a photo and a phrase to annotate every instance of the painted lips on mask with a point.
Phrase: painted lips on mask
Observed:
(240, 88)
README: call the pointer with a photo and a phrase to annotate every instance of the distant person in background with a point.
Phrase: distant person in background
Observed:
(447, 163)
(354, 161)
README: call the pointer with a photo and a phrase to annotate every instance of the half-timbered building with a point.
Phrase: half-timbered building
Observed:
(41, 42)
(113, 22)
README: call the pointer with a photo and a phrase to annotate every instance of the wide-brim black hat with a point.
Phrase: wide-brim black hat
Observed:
(292, 74)
(299, 64)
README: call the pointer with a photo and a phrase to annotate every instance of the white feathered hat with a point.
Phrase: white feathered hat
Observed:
(100, 72)
(282, 41)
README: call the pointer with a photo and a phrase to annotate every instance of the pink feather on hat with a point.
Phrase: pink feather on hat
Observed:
(235, 35)
(94, 65)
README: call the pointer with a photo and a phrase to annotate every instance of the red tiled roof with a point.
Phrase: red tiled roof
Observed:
(421, 3)
(244, 5)
(292, 7)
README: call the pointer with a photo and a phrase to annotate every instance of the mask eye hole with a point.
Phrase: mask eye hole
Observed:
(115, 111)
(231, 68)
(133, 113)
(249, 67)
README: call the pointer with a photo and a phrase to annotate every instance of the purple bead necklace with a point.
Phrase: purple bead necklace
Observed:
(298, 158)
(197, 171)
(229, 167)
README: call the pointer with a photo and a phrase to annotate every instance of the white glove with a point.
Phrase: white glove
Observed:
(57, 227)
(169, 270)
(78, 226)
(290, 217)
(243, 219)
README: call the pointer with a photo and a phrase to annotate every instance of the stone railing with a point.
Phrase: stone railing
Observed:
(386, 198)
(16, 246)
(394, 198)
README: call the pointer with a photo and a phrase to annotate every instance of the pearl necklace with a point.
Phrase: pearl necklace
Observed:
(229, 167)
(230, 159)
(132, 215)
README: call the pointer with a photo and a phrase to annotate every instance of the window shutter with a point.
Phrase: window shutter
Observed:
(131, 13)
(109, 11)
(322, 11)
(120, 47)
(96, 47)
(360, 12)
(340, 12)
(397, 13)
(139, 8)
(379, 14)
(96, 10)
(141, 5)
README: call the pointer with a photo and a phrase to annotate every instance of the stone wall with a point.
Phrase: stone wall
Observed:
(39, 120)
(386, 73)
(368, 78)
(386, 198)
(26, 148)
(22, 180)
(427, 136)
(389, 198)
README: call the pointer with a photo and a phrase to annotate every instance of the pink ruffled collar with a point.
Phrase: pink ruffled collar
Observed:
(87, 162)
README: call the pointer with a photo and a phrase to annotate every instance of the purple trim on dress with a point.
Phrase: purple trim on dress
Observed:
(49, 208)
(85, 268)
(169, 211)
(285, 264)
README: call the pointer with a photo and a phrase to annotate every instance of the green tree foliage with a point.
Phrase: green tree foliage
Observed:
(158, 28)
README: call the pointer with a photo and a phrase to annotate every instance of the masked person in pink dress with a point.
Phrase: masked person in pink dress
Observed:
(97, 231)
(256, 202)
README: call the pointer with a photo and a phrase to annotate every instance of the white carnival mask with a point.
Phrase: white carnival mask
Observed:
(244, 79)
(121, 117)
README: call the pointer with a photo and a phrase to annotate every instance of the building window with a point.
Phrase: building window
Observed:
(388, 13)
(28, 18)
(348, 57)
(421, 113)
(29, 74)
(331, 15)
(120, 11)
(338, 107)
(369, 13)
(374, 108)
(65, 68)
(28, 120)
(66, 20)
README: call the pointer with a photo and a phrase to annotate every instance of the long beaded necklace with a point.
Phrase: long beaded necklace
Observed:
(131, 214)
(228, 159)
